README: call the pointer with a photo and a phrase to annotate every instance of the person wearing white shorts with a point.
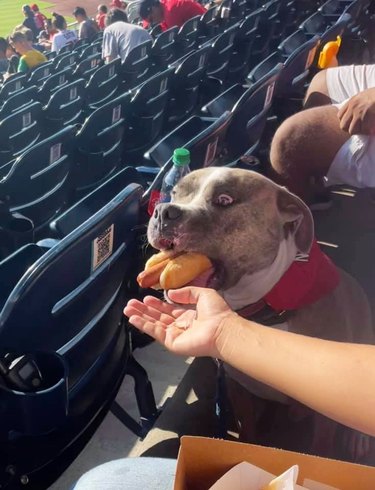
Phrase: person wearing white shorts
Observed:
(334, 138)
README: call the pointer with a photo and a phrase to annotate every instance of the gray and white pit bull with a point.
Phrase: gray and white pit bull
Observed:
(252, 230)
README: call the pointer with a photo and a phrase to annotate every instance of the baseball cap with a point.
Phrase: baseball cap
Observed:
(34, 7)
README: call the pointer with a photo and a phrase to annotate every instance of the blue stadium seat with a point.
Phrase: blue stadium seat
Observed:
(208, 25)
(53, 83)
(103, 84)
(266, 27)
(18, 101)
(40, 73)
(66, 302)
(203, 136)
(18, 132)
(243, 42)
(136, 67)
(99, 145)
(220, 54)
(187, 36)
(88, 66)
(189, 72)
(146, 115)
(93, 48)
(320, 25)
(50, 55)
(68, 48)
(250, 106)
(81, 211)
(62, 61)
(66, 106)
(163, 51)
(37, 184)
(12, 85)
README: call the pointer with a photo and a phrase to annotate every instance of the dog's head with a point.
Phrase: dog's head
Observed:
(235, 217)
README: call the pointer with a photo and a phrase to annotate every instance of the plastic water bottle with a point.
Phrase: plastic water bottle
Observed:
(181, 160)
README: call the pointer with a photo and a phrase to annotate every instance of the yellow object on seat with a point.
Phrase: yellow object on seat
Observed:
(328, 55)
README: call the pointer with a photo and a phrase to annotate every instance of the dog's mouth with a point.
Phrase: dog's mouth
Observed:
(211, 278)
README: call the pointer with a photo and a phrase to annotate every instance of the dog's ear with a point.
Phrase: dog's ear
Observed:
(297, 219)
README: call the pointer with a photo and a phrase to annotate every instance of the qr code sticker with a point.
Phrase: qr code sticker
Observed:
(54, 153)
(72, 60)
(93, 63)
(26, 119)
(269, 95)
(73, 93)
(202, 60)
(116, 113)
(163, 85)
(210, 152)
(61, 79)
(143, 52)
(102, 247)
(18, 85)
(111, 71)
(46, 72)
(171, 37)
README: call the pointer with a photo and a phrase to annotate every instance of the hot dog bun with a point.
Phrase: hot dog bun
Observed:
(166, 270)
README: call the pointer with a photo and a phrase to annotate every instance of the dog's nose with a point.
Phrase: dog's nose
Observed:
(169, 212)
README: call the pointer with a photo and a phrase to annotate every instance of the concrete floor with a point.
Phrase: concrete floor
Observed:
(112, 440)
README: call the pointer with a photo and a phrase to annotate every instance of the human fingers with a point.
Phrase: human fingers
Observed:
(164, 307)
(345, 118)
(355, 126)
(150, 313)
(189, 295)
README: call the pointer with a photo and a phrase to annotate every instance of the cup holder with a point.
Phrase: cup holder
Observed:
(41, 411)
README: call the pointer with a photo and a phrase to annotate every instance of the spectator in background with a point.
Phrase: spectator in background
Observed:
(29, 21)
(4, 63)
(63, 36)
(120, 37)
(118, 4)
(29, 36)
(101, 16)
(169, 13)
(39, 18)
(87, 27)
(30, 57)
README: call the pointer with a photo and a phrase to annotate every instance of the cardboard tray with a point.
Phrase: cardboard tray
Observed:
(202, 461)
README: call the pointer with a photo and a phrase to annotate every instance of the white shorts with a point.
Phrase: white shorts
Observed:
(354, 163)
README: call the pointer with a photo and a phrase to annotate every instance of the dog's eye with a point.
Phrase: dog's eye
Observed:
(223, 200)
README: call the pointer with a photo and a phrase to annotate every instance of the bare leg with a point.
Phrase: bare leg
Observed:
(317, 93)
(304, 147)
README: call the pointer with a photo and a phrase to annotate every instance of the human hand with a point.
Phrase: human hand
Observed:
(183, 328)
(357, 116)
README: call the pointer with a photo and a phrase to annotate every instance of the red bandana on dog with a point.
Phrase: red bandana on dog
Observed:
(304, 283)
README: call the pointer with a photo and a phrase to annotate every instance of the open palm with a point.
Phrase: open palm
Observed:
(190, 327)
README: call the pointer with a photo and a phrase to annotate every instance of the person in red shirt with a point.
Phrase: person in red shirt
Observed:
(101, 17)
(39, 18)
(169, 13)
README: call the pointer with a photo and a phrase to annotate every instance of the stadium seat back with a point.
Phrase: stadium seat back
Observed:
(208, 25)
(243, 42)
(37, 184)
(69, 302)
(91, 49)
(249, 114)
(18, 101)
(163, 50)
(136, 66)
(81, 211)
(39, 74)
(99, 144)
(18, 132)
(187, 36)
(297, 68)
(68, 48)
(66, 106)
(203, 136)
(62, 61)
(88, 66)
(147, 112)
(221, 52)
(103, 84)
(185, 83)
(53, 83)
(12, 85)
(319, 25)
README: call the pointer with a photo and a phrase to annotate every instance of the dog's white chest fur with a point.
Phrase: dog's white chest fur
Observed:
(253, 287)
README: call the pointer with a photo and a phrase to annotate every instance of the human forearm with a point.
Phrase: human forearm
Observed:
(333, 378)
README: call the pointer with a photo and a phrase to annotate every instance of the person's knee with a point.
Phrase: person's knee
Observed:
(287, 143)
(317, 94)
